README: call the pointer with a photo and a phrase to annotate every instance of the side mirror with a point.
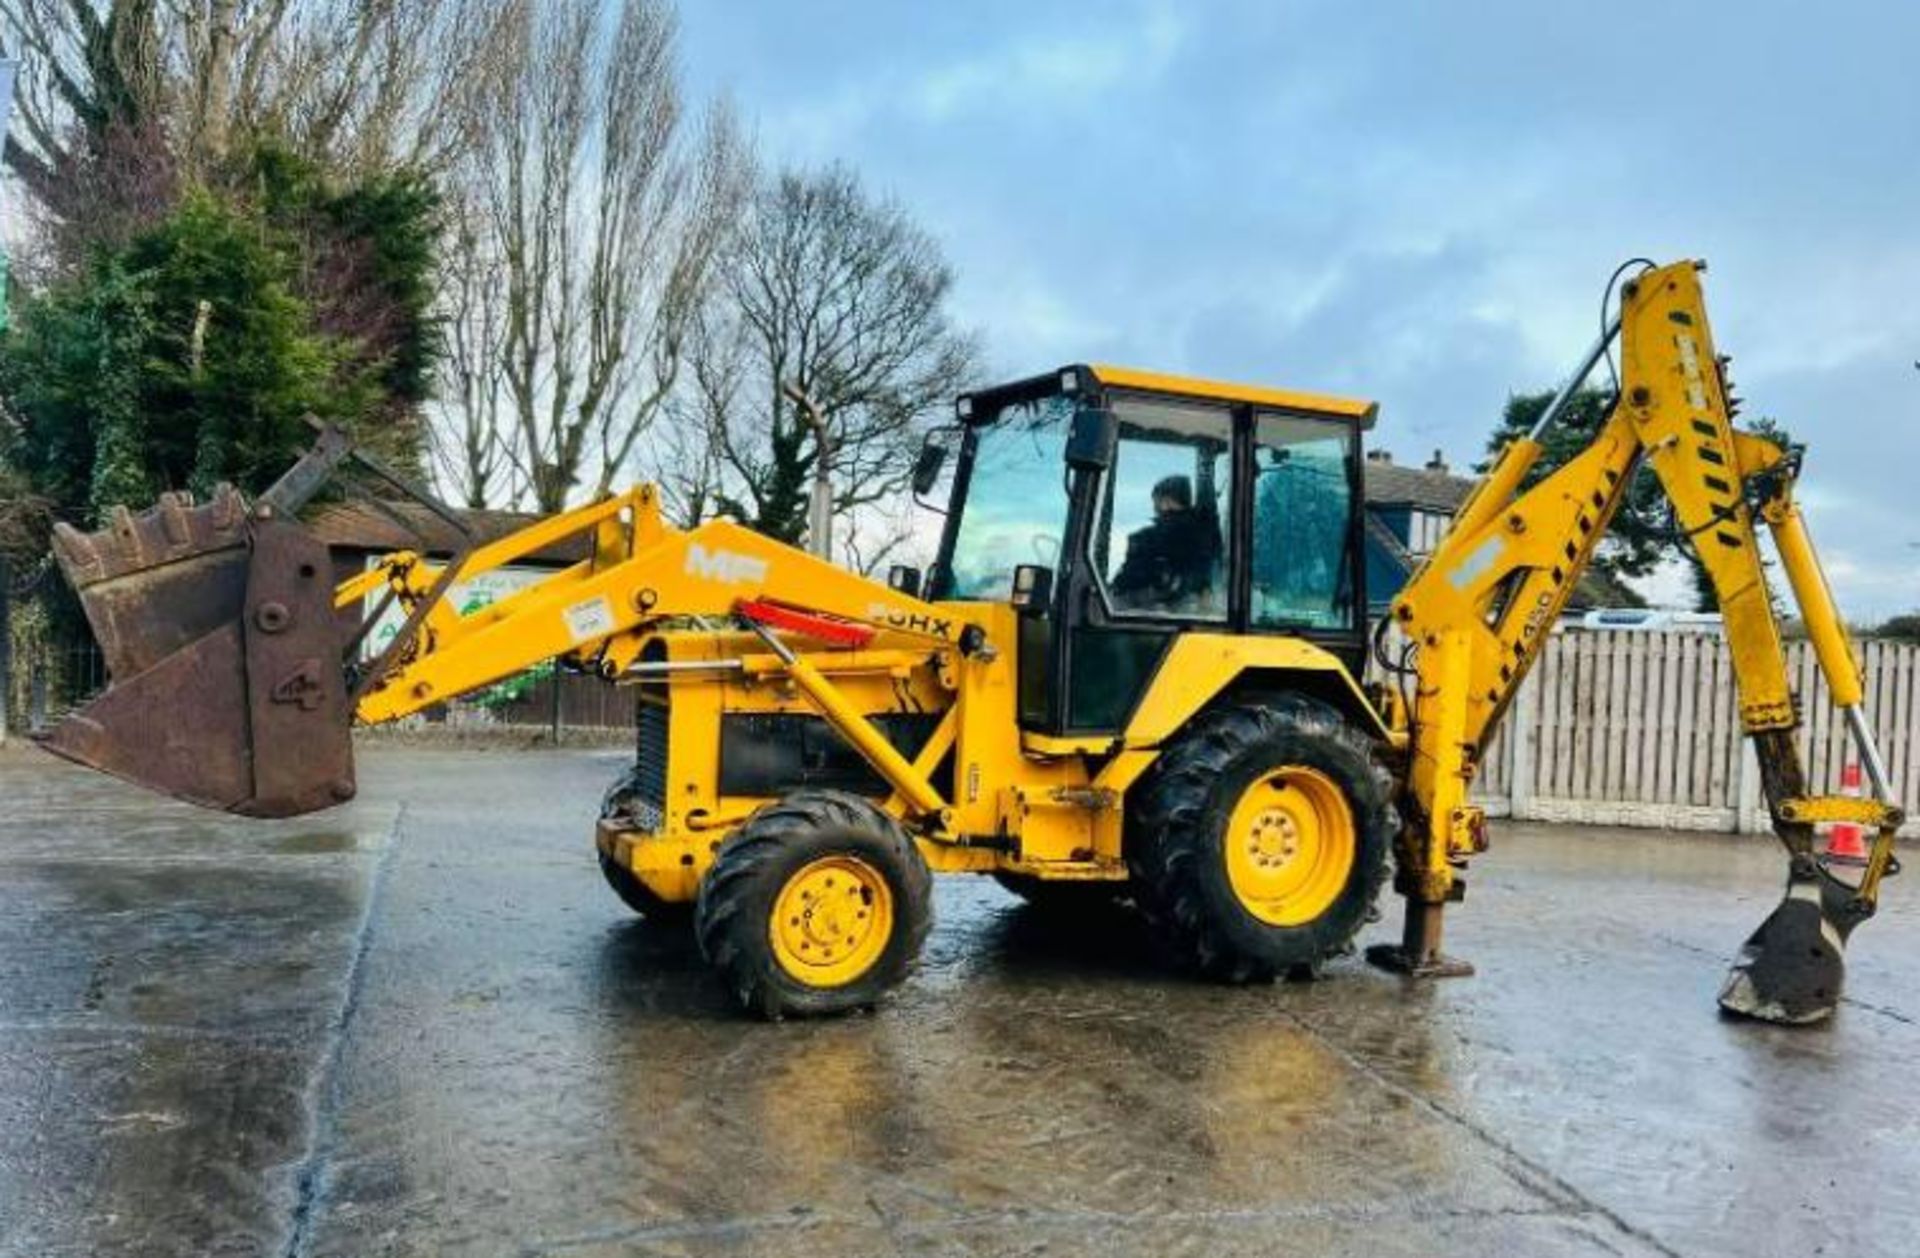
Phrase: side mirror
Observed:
(933, 457)
(904, 579)
(1032, 587)
(1091, 440)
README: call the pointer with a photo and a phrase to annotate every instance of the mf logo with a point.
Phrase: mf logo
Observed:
(724, 566)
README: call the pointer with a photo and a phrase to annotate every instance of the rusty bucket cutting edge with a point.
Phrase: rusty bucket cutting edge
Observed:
(218, 628)
(1792, 969)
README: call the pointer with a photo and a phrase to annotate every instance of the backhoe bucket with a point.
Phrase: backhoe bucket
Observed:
(1791, 970)
(219, 634)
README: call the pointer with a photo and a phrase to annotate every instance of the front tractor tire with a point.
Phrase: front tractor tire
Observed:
(1259, 842)
(818, 904)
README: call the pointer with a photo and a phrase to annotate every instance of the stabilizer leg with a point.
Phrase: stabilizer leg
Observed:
(1418, 953)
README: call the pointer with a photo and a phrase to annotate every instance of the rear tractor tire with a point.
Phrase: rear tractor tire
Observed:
(818, 904)
(1259, 842)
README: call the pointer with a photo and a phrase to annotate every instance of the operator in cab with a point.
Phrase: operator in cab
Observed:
(1170, 562)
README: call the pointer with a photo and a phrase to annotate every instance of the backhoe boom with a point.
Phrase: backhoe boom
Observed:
(1478, 611)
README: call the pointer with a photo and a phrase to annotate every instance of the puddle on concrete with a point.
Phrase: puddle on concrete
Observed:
(528, 1068)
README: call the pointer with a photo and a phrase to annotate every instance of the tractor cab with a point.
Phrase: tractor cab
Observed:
(1119, 509)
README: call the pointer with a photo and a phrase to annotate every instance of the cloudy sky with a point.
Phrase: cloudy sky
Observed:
(1417, 203)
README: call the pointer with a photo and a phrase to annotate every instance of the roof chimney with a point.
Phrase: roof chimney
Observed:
(1438, 463)
(1377, 455)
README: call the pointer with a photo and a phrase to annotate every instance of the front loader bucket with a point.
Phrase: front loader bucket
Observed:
(219, 634)
(1792, 969)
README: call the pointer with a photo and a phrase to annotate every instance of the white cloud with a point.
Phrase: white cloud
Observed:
(1028, 72)
(1413, 203)
(1052, 72)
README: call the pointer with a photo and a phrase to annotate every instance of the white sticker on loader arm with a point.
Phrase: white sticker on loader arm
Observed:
(591, 619)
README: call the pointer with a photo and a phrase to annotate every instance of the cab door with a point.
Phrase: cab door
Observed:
(1149, 555)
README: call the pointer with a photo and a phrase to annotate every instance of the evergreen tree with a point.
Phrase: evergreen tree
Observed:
(183, 361)
(1642, 535)
(191, 353)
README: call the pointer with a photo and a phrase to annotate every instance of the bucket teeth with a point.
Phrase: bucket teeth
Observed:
(173, 517)
(154, 582)
(174, 528)
(76, 554)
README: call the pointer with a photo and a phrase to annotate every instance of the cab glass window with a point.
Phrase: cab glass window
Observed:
(1302, 569)
(1016, 506)
(1159, 543)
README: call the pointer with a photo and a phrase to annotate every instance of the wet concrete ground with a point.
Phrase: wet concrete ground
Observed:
(421, 1025)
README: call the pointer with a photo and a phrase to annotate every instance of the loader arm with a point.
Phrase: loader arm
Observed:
(235, 687)
(642, 572)
(596, 613)
(1477, 613)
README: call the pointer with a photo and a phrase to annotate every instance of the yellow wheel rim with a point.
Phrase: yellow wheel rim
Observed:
(831, 921)
(1290, 846)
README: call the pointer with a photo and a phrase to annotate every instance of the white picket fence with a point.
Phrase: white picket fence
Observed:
(1640, 728)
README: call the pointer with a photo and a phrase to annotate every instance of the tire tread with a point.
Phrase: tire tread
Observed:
(758, 857)
(1169, 838)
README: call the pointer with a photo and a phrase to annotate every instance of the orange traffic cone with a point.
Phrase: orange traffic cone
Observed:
(1845, 845)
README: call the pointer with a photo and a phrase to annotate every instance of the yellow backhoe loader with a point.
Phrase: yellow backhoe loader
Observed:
(1134, 670)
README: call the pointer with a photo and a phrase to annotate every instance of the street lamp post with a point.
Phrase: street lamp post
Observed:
(820, 505)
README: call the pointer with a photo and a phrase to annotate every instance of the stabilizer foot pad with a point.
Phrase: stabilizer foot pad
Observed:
(1396, 958)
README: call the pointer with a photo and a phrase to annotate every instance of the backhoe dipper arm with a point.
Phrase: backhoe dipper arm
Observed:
(1478, 611)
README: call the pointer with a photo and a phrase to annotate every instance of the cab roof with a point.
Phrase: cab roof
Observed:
(1135, 379)
(1361, 412)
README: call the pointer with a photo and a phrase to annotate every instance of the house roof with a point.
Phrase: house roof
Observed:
(1426, 489)
(1429, 489)
(359, 525)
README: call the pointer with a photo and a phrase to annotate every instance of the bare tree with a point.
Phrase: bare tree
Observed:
(87, 141)
(117, 98)
(359, 85)
(467, 432)
(685, 460)
(869, 538)
(85, 66)
(845, 298)
(605, 207)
